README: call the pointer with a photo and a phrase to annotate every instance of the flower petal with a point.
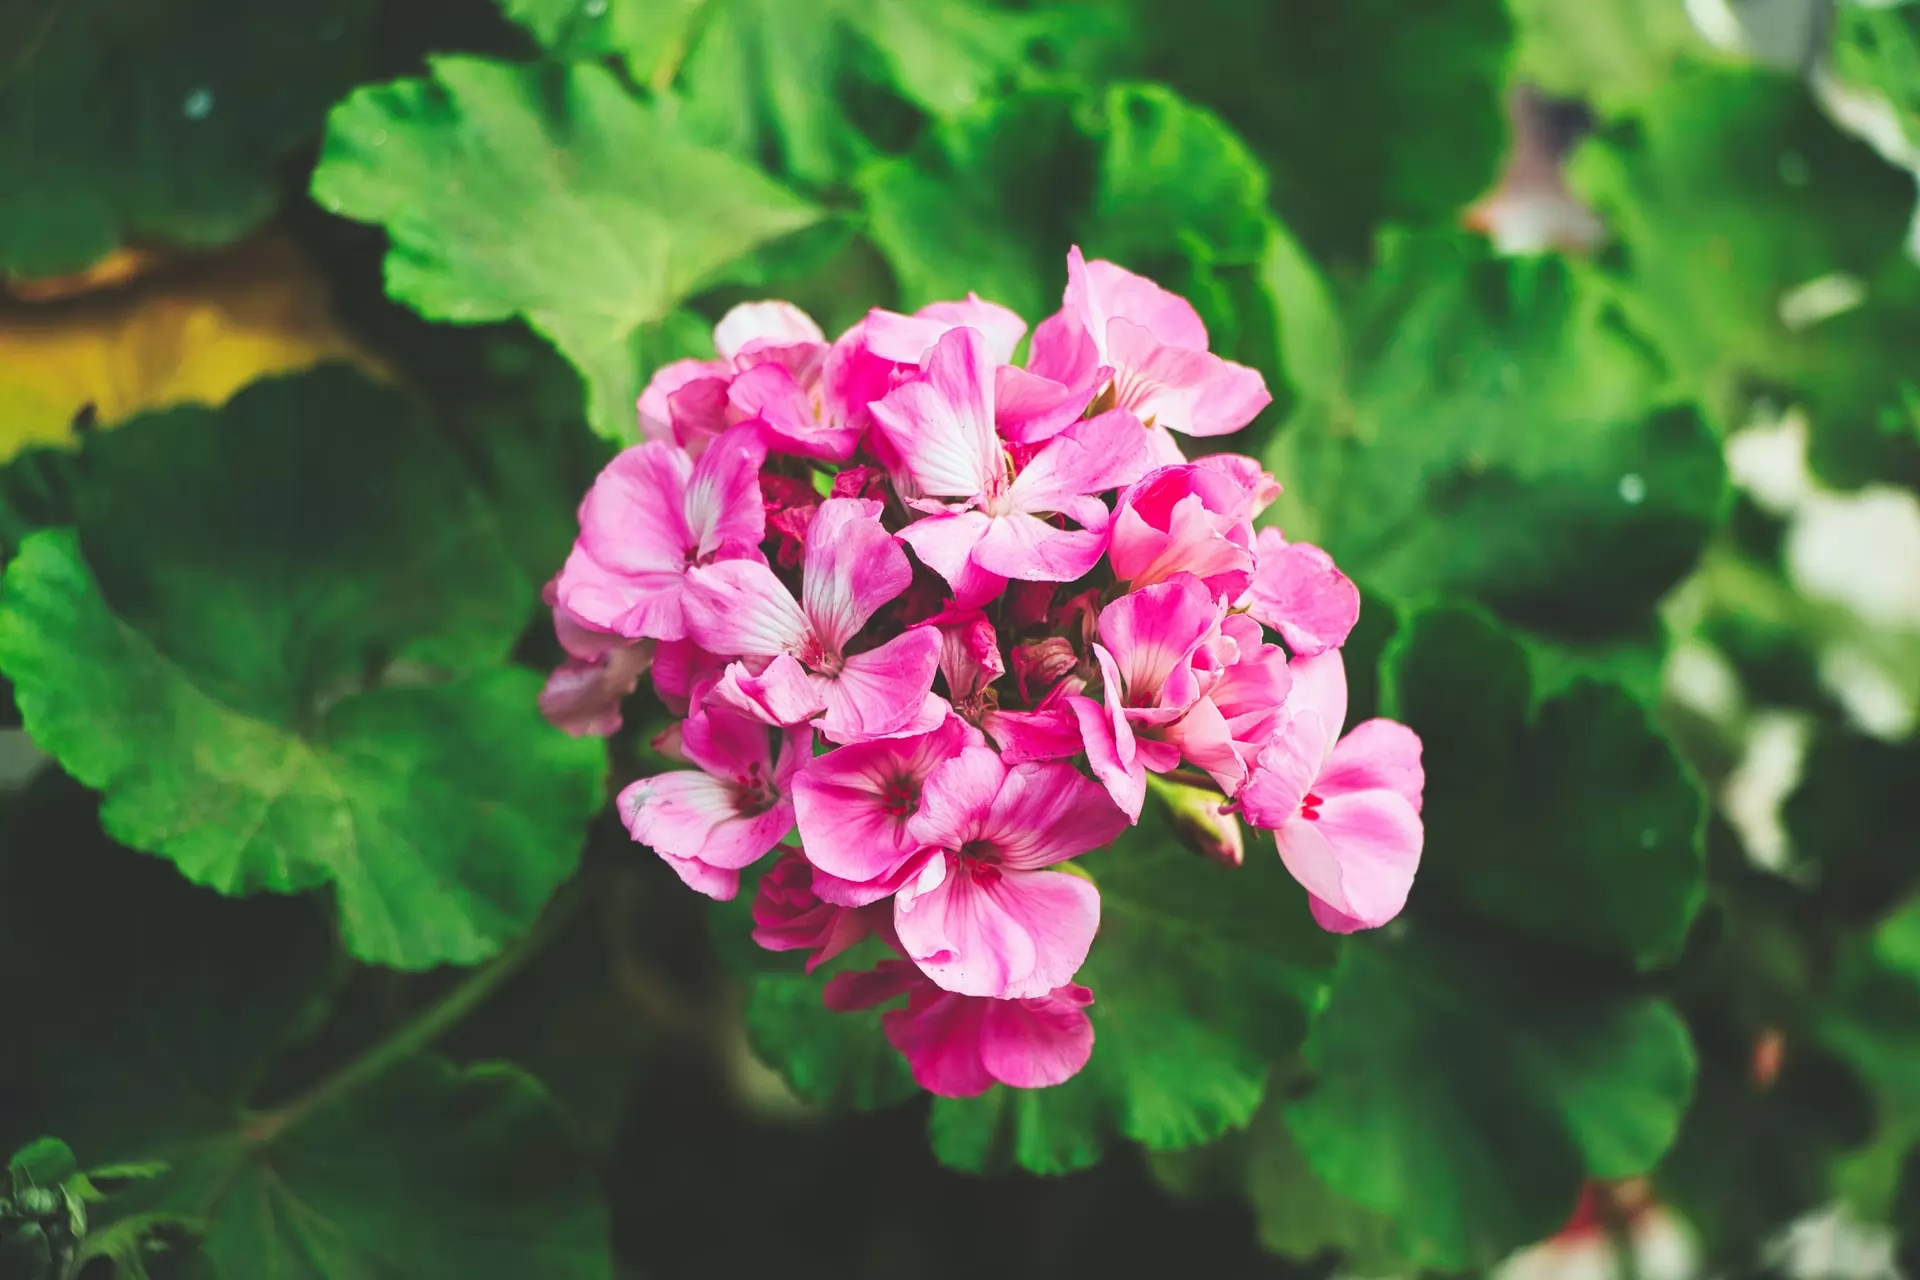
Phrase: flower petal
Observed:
(1299, 592)
(1376, 755)
(1046, 813)
(1040, 1041)
(909, 339)
(941, 424)
(957, 797)
(784, 693)
(884, 691)
(1023, 934)
(853, 804)
(853, 566)
(772, 321)
(1358, 857)
(739, 606)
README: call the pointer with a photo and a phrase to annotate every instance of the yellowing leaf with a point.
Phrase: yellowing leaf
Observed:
(196, 331)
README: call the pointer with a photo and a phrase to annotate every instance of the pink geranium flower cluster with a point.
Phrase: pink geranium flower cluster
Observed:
(942, 616)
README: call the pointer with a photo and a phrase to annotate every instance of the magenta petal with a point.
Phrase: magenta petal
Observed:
(1103, 290)
(1299, 592)
(956, 796)
(1048, 812)
(853, 566)
(1023, 546)
(945, 542)
(1376, 755)
(719, 884)
(939, 1035)
(908, 339)
(656, 418)
(784, 693)
(1029, 408)
(1188, 390)
(1089, 458)
(1037, 1042)
(1024, 933)
(740, 607)
(1052, 734)
(1110, 748)
(853, 804)
(883, 692)
(1284, 772)
(941, 425)
(1152, 635)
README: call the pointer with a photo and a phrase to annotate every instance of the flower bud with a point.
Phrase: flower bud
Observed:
(1199, 818)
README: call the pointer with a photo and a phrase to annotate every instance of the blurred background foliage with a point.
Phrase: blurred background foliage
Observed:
(1592, 330)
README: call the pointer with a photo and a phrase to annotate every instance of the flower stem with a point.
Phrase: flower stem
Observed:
(429, 1025)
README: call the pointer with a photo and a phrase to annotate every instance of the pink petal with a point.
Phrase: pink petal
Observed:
(1053, 734)
(701, 413)
(1102, 290)
(1063, 351)
(768, 395)
(1376, 755)
(883, 691)
(771, 321)
(1037, 1042)
(625, 572)
(939, 1034)
(1029, 408)
(1110, 748)
(1358, 857)
(689, 815)
(725, 743)
(717, 883)
(941, 425)
(908, 339)
(1298, 591)
(1284, 771)
(1320, 687)
(582, 698)
(1189, 518)
(945, 543)
(1191, 391)
(1152, 635)
(969, 652)
(853, 378)
(656, 420)
(1205, 739)
(1019, 545)
(723, 504)
(783, 693)
(853, 566)
(739, 606)
(1023, 934)
(679, 668)
(853, 804)
(1046, 813)
(956, 798)
(1089, 458)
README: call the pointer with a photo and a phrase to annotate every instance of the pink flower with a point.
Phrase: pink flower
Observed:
(959, 1046)
(709, 824)
(582, 696)
(909, 340)
(970, 659)
(798, 666)
(788, 916)
(1148, 644)
(651, 515)
(941, 427)
(1156, 348)
(853, 806)
(1192, 518)
(984, 917)
(1298, 592)
(1241, 709)
(1345, 814)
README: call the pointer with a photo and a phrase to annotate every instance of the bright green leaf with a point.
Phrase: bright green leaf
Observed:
(1467, 1101)
(549, 193)
(1499, 433)
(236, 656)
(130, 121)
(1573, 821)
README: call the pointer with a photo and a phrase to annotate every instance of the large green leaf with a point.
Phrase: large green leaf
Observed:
(1365, 112)
(154, 1045)
(784, 83)
(552, 194)
(129, 120)
(1498, 432)
(1572, 821)
(1729, 194)
(1607, 53)
(1466, 1099)
(1201, 976)
(280, 664)
(834, 1059)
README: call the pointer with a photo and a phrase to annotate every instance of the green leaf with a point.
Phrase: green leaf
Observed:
(1468, 1103)
(423, 1169)
(984, 204)
(127, 121)
(1201, 975)
(1729, 194)
(1877, 48)
(280, 664)
(552, 194)
(1370, 112)
(1855, 816)
(44, 1162)
(1572, 821)
(833, 1059)
(1295, 1213)
(1608, 53)
(1500, 433)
